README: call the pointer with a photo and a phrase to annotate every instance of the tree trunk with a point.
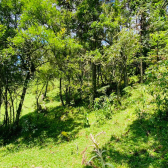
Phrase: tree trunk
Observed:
(81, 79)
(101, 76)
(93, 81)
(61, 92)
(6, 103)
(98, 76)
(124, 57)
(22, 99)
(118, 91)
(13, 111)
(12, 104)
(0, 100)
(10, 120)
(66, 95)
(45, 93)
(142, 34)
(37, 103)
(141, 70)
(125, 76)
(68, 92)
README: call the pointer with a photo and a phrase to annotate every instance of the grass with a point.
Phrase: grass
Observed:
(134, 137)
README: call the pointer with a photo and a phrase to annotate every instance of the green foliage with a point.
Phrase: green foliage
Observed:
(104, 106)
(74, 52)
(99, 153)
(158, 88)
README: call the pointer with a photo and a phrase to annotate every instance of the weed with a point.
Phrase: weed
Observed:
(103, 107)
(98, 153)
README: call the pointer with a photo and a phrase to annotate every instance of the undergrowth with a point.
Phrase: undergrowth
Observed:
(136, 133)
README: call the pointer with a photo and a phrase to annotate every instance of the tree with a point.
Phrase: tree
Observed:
(89, 31)
(122, 54)
(9, 14)
(28, 48)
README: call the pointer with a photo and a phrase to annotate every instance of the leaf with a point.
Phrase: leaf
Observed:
(92, 158)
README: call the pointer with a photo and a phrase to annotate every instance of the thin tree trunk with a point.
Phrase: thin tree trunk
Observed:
(98, 76)
(125, 69)
(118, 90)
(10, 120)
(37, 103)
(12, 103)
(0, 100)
(125, 76)
(45, 93)
(93, 80)
(38, 95)
(68, 92)
(6, 104)
(141, 62)
(22, 99)
(142, 25)
(66, 95)
(61, 92)
(101, 76)
(141, 70)
(81, 79)
(13, 112)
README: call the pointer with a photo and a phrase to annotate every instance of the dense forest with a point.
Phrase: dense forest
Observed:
(99, 56)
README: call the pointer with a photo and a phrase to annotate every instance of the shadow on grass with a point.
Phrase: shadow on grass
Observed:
(75, 102)
(57, 125)
(52, 99)
(144, 144)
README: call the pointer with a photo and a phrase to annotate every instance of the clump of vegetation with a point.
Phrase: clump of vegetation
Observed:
(97, 151)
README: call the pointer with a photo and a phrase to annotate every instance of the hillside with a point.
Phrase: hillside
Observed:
(132, 136)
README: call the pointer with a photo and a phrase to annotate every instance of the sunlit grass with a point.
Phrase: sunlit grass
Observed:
(131, 139)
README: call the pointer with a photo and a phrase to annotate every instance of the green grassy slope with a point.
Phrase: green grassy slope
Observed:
(133, 136)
